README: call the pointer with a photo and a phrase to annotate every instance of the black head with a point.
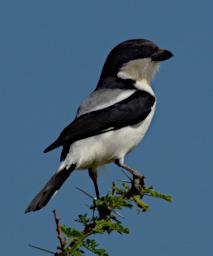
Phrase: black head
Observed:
(132, 50)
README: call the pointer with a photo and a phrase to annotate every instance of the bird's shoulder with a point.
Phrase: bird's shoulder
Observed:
(103, 98)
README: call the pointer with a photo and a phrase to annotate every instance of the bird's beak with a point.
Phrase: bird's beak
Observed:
(161, 55)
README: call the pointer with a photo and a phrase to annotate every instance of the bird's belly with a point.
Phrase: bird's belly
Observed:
(101, 149)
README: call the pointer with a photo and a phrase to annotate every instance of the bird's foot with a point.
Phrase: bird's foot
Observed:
(137, 179)
(135, 173)
(137, 183)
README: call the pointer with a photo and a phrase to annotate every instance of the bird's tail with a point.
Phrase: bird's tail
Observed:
(55, 182)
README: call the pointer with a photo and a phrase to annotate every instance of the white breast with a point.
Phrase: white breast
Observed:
(101, 149)
(105, 148)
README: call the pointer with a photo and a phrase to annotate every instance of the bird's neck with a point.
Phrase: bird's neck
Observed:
(144, 85)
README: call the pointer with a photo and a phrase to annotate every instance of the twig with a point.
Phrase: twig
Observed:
(58, 230)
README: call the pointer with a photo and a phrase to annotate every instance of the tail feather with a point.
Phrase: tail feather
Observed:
(55, 182)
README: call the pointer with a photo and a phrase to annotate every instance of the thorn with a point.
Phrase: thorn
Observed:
(41, 249)
(119, 214)
(86, 193)
(125, 181)
(126, 175)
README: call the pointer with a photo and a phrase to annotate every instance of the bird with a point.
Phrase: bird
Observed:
(112, 120)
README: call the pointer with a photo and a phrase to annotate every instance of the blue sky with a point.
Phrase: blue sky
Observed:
(51, 55)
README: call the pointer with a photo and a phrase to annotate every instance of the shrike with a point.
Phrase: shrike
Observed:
(112, 120)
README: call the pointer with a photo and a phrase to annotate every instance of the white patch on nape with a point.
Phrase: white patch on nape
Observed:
(139, 69)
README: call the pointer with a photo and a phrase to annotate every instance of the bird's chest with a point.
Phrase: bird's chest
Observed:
(128, 137)
(106, 147)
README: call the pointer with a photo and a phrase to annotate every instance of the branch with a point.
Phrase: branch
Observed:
(58, 230)
(103, 218)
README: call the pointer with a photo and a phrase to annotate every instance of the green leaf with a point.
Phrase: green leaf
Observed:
(153, 193)
(83, 218)
(109, 226)
(141, 204)
(71, 232)
(91, 245)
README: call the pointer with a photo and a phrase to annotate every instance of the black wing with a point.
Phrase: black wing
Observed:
(127, 112)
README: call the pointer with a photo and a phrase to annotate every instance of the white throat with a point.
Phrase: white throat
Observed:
(144, 86)
(140, 69)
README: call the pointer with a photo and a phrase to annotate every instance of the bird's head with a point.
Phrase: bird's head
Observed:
(135, 59)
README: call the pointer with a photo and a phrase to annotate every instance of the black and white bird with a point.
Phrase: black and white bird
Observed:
(112, 120)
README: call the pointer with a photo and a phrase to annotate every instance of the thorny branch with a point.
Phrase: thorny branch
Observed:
(103, 219)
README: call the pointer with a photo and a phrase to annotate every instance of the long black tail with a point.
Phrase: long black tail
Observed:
(55, 182)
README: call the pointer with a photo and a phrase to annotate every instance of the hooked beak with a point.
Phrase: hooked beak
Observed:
(161, 55)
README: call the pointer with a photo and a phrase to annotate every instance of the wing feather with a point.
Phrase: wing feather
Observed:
(129, 111)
